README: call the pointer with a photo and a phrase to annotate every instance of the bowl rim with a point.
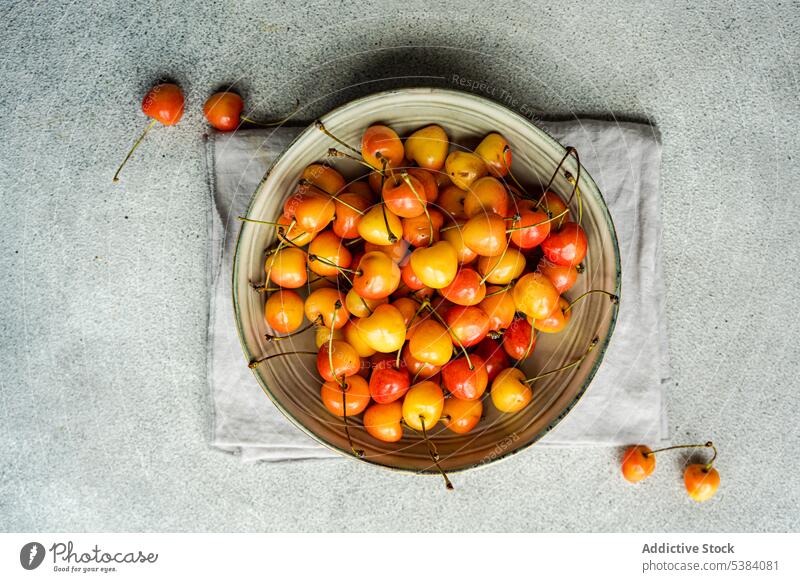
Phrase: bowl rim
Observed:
(601, 350)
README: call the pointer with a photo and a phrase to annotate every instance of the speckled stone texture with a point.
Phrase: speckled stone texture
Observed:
(105, 416)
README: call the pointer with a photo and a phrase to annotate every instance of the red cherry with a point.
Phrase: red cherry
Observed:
(524, 234)
(223, 110)
(464, 382)
(495, 359)
(164, 103)
(519, 339)
(467, 323)
(388, 383)
(466, 289)
(567, 246)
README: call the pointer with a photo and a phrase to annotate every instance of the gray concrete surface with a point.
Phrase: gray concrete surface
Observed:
(104, 417)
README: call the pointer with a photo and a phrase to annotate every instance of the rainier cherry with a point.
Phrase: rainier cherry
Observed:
(451, 201)
(327, 303)
(431, 343)
(502, 269)
(404, 196)
(566, 246)
(535, 295)
(499, 306)
(377, 276)
(466, 288)
(486, 195)
(287, 268)
(464, 168)
(509, 391)
(435, 266)
(530, 229)
(496, 153)
(336, 359)
(494, 357)
(485, 233)
(357, 398)
(380, 226)
(382, 421)
(461, 416)
(469, 325)
(327, 254)
(428, 147)
(557, 320)
(464, 381)
(379, 143)
(384, 331)
(283, 311)
(454, 235)
(163, 103)
(519, 339)
(562, 278)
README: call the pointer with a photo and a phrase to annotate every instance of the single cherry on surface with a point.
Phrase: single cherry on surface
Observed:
(638, 463)
(223, 110)
(163, 103)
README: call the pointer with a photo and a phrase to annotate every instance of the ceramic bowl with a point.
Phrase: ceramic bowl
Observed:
(293, 383)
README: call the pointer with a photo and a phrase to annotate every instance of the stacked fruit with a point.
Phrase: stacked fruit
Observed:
(427, 280)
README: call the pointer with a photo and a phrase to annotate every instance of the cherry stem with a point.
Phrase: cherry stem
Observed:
(709, 444)
(147, 129)
(275, 122)
(527, 349)
(358, 239)
(245, 219)
(497, 264)
(256, 363)
(592, 345)
(304, 182)
(280, 246)
(450, 331)
(570, 151)
(407, 180)
(342, 383)
(576, 191)
(501, 290)
(434, 456)
(263, 288)
(334, 153)
(551, 219)
(357, 452)
(325, 261)
(276, 338)
(614, 298)
(320, 126)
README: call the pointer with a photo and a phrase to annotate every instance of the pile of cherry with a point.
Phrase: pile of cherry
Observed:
(426, 281)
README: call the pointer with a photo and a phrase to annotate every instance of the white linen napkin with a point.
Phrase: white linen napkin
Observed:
(625, 403)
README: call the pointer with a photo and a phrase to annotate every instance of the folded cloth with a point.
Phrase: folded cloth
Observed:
(625, 403)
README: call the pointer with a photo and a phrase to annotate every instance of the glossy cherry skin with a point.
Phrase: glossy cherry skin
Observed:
(486, 194)
(290, 233)
(451, 201)
(469, 324)
(417, 231)
(346, 220)
(410, 278)
(428, 181)
(283, 311)
(519, 339)
(485, 234)
(287, 268)
(567, 246)
(405, 199)
(423, 401)
(701, 483)
(496, 153)
(499, 307)
(454, 235)
(346, 361)
(428, 147)
(465, 289)
(562, 278)
(382, 421)
(329, 304)
(379, 143)
(638, 463)
(504, 268)
(554, 206)
(359, 306)
(557, 320)
(164, 102)
(223, 110)
(464, 382)
(435, 266)
(388, 383)
(494, 357)
(464, 168)
(312, 209)
(509, 392)
(378, 276)
(322, 335)
(431, 343)
(535, 295)
(530, 230)
(327, 250)
(461, 416)
(352, 336)
(372, 226)
(417, 369)
(324, 177)
(384, 331)
(356, 397)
